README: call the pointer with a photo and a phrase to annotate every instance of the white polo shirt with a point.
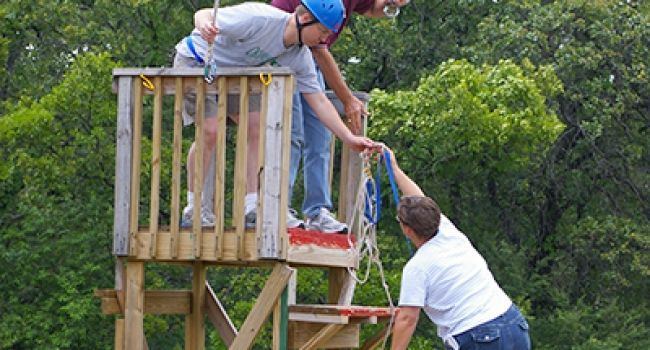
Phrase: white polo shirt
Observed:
(451, 281)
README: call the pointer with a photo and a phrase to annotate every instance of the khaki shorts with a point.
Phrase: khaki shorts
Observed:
(189, 100)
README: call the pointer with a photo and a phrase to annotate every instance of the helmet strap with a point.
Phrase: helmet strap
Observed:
(300, 26)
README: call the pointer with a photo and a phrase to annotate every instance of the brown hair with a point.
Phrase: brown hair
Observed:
(421, 214)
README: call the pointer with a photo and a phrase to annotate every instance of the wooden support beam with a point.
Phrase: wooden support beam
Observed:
(322, 336)
(134, 312)
(195, 321)
(219, 317)
(156, 302)
(263, 306)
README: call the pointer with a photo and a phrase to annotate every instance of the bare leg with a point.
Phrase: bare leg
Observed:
(209, 140)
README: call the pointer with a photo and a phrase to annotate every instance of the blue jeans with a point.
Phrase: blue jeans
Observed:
(310, 141)
(506, 332)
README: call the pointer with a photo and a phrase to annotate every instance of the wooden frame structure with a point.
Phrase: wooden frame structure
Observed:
(140, 239)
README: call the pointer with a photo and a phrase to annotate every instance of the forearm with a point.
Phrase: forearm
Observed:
(405, 184)
(402, 332)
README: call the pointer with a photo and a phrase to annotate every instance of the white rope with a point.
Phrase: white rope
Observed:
(367, 246)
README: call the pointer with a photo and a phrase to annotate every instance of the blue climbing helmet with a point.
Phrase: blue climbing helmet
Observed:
(330, 13)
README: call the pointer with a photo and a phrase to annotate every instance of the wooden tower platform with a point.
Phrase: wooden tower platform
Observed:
(148, 206)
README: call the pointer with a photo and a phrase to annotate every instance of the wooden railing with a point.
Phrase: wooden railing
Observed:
(142, 237)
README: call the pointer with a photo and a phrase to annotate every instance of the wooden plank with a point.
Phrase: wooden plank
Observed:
(280, 321)
(263, 306)
(322, 336)
(318, 318)
(220, 167)
(312, 255)
(300, 332)
(271, 219)
(341, 286)
(135, 166)
(156, 302)
(239, 182)
(156, 139)
(199, 146)
(198, 72)
(287, 117)
(123, 161)
(134, 316)
(261, 161)
(219, 317)
(119, 334)
(196, 325)
(177, 151)
(292, 288)
(208, 245)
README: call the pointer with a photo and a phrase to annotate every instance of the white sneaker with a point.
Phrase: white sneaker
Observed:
(292, 219)
(207, 217)
(325, 222)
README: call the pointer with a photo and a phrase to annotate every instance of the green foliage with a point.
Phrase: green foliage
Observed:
(55, 233)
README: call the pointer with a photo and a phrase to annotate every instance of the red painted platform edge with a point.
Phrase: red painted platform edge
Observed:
(365, 311)
(298, 236)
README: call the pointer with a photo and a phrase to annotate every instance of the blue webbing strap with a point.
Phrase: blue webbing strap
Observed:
(190, 45)
(373, 194)
(391, 178)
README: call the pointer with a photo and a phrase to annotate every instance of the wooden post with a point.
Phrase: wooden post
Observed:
(194, 322)
(341, 286)
(123, 167)
(274, 181)
(134, 313)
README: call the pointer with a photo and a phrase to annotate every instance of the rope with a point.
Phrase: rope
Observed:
(365, 225)
(210, 69)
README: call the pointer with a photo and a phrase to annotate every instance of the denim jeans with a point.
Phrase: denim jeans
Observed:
(310, 141)
(506, 332)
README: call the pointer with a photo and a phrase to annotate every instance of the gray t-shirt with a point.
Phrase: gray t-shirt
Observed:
(251, 34)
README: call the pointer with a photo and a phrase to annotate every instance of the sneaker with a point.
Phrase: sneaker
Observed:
(325, 222)
(207, 217)
(293, 221)
(250, 219)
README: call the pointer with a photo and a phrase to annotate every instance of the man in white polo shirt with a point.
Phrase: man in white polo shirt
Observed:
(451, 281)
